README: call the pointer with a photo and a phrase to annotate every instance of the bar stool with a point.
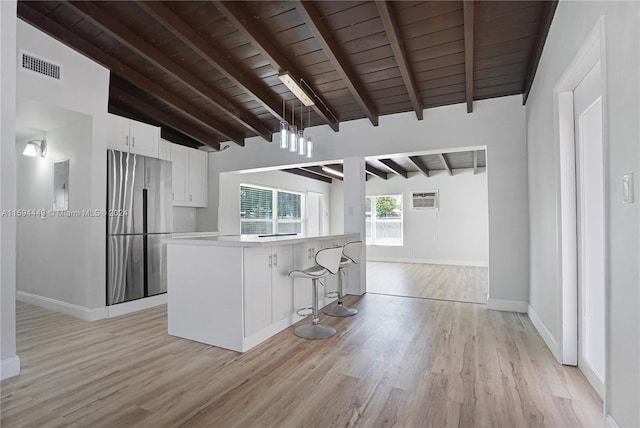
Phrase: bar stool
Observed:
(327, 263)
(350, 254)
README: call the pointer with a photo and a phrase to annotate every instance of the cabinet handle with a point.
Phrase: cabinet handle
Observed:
(126, 140)
(173, 196)
(133, 141)
(270, 260)
(275, 260)
(190, 197)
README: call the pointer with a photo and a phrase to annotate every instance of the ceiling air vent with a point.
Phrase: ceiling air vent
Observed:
(40, 66)
(424, 200)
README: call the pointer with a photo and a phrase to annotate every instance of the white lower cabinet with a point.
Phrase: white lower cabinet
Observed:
(267, 287)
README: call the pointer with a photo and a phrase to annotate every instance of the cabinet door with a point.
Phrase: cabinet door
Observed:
(164, 150)
(143, 139)
(179, 160)
(197, 186)
(281, 283)
(117, 133)
(257, 289)
(303, 258)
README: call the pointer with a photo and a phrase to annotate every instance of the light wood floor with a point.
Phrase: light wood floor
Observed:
(442, 282)
(400, 362)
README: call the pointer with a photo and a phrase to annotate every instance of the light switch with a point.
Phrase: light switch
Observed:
(627, 189)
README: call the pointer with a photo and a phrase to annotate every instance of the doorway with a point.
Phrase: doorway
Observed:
(590, 209)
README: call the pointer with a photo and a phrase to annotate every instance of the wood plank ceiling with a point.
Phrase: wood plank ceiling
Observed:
(207, 71)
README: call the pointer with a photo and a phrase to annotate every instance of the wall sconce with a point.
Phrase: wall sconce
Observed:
(35, 148)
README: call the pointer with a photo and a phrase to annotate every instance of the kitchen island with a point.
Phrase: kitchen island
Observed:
(235, 291)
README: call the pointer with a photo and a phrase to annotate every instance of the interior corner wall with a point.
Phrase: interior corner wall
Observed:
(572, 23)
(84, 88)
(229, 208)
(497, 124)
(53, 251)
(456, 234)
(9, 362)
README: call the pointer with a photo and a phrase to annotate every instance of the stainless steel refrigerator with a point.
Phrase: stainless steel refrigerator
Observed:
(140, 216)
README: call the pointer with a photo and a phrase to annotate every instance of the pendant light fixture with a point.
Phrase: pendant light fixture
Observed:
(284, 129)
(307, 137)
(293, 130)
(302, 146)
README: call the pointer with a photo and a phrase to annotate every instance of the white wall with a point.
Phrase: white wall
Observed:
(337, 207)
(9, 361)
(572, 23)
(185, 219)
(498, 124)
(457, 233)
(51, 248)
(229, 208)
(84, 89)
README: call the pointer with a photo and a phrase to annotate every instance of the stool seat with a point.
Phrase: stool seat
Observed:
(351, 253)
(327, 262)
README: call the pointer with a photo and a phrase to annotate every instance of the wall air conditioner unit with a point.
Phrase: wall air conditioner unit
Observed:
(424, 201)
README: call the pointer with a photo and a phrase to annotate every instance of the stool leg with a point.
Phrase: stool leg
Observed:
(315, 330)
(340, 310)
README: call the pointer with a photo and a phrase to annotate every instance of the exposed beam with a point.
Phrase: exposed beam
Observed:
(214, 57)
(332, 50)
(336, 166)
(318, 170)
(375, 171)
(549, 9)
(417, 162)
(308, 174)
(128, 38)
(397, 169)
(468, 52)
(475, 162)
(79, 44)
(395, 41)
(171, 120)
(263, 42)
(443, 159)
(167, 133)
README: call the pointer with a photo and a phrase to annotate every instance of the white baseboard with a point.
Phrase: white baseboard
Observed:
(428, 261)
(610, 423)
(87, 314)
(508, 305)
(135, 305)
(548, 338)
(9, 367)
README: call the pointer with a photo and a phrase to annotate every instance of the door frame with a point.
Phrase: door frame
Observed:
(592, 51)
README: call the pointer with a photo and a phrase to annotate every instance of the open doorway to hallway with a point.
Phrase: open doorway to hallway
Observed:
(427, 226)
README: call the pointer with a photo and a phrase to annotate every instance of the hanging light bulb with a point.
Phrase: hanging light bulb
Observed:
(309, 147)
(293, 130)
(302, 147)
(284, 134)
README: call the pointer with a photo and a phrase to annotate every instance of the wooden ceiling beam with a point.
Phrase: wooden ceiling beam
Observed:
(468, 52)
(171, 120)
(308, 174)
(417, 162)
(214, 57)
(332, 50)
(262, 41)
(394, 167)
(34, 17)
(375, 171)
(549, 9)
(318, 170)
(392, 30)
(128, 38)
(445, 164)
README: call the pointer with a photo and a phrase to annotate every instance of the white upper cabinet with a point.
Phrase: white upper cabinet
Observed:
(131, 136)
(190, 175)
(164, 150)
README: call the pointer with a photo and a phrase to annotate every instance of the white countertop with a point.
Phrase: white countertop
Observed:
(252, 240)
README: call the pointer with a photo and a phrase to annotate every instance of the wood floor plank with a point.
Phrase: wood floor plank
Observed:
(400, 362)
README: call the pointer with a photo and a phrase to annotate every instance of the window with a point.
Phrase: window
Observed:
(384, 220)
(264, 211)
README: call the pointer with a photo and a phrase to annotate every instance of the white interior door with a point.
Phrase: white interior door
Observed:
(314, 214)
(591, 222)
